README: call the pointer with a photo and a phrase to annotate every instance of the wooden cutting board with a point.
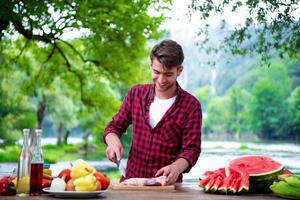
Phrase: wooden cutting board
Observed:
(118, 186)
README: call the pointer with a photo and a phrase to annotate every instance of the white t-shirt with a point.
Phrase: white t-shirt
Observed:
(158, 108)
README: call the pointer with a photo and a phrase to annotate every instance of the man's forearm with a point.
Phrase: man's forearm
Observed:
(111, 138)
(182, 164)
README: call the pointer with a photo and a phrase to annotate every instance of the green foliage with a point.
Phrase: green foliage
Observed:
(81, 79)
(269, 107)
(216, 113)
(296, 112)
(238, 107)
(258, 103)
(203, 94)
(16, 112)
(9, 153)
(54, 153)
(269, 26)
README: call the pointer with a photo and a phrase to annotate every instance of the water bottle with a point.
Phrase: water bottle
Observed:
(36, 166)
(23, 172)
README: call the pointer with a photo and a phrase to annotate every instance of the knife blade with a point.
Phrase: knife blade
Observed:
(121, 167)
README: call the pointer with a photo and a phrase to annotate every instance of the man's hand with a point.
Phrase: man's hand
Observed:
(114, 149)
(173, 170)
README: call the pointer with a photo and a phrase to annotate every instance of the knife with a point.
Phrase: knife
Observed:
(121, 167)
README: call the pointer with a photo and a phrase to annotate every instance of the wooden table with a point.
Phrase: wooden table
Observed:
(183, 191)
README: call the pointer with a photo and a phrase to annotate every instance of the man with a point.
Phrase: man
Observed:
(166, 121)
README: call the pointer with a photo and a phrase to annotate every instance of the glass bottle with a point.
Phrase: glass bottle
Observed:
(23, 174)
(36, 167)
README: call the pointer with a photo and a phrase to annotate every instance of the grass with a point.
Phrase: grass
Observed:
(245, 148)
(113, 175)
(9, 153)
(54, 153)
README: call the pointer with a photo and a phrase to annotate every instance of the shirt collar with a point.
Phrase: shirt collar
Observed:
(152, 91)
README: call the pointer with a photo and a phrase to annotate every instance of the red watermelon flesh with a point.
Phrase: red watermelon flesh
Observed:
(211, 175)
(217, 184)
(203, 182)
(286, 171)
(210, 184)
(255, 165)
(206, 174)
(238, 173)
(232, 188)
(225, 183)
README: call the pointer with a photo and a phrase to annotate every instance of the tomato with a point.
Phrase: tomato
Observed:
(103, 179)
(65, 175)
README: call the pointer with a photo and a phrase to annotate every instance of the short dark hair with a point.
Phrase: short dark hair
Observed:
(167, 52)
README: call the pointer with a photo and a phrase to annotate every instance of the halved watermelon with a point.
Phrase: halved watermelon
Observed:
(262, 170)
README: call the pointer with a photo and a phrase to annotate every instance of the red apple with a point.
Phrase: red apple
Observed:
(70, 185)
(65, 175)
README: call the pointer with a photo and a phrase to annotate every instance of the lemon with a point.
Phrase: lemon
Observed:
(23, 185)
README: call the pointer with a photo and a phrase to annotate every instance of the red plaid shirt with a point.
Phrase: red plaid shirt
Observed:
(177, 134)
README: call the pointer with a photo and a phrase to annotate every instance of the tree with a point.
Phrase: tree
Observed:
(237, 121)
(296, 113)
(203, 94)
(268, 108)
(217, 111)
(272, 25)
(108, 55)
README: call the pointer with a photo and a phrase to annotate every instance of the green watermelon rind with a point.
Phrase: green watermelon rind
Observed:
(262, 175)
(263, 182)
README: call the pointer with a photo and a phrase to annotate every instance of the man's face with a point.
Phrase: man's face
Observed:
(164, 78)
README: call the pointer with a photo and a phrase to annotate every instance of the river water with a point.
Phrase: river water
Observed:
(214, 155)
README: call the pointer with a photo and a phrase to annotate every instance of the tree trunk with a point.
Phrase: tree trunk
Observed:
(67, 136)
(85, 138)
(40, 113)
(59, 133)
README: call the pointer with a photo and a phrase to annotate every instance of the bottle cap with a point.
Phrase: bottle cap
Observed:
(46, 165)
(38, 131)
(26, 131)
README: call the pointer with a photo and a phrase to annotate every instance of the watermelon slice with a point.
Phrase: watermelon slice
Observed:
(217, 184)
(232, 188)
(224, 185)
(210, 184)
(262, 171)
(208, 175)
(240, 174)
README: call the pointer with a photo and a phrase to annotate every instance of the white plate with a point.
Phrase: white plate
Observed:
(74, 194)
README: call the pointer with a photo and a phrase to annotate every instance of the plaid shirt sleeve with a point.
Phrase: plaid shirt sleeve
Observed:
(122, 119)
(191, 137)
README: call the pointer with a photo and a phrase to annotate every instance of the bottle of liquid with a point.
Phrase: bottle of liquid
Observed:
(36, 167)
(23, 173)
